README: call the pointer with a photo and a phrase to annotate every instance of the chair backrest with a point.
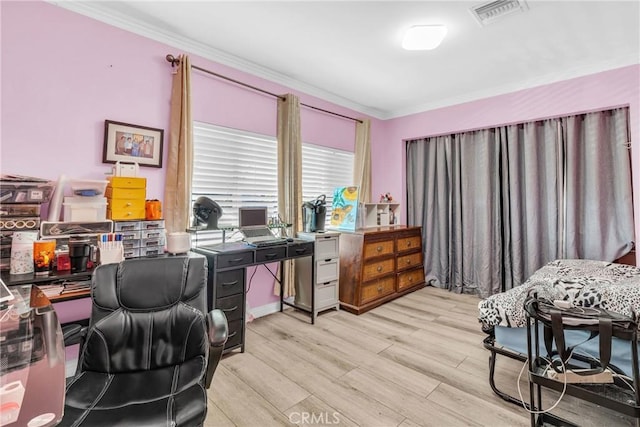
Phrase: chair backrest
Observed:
(147, 313)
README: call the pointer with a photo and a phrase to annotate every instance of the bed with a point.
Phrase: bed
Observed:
(582, 283)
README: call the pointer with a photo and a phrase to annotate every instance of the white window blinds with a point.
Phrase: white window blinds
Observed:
(324, 169)
(238, 168)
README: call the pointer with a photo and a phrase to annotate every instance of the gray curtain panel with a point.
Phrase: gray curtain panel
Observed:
(497, 204)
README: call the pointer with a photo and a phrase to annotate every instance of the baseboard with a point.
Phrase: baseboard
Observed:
(264, 310)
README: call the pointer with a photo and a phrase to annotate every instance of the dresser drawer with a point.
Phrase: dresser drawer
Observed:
(371, 270)
(327, 270)
(409, 261)
(378, 289)
(235, 259)
(274, 253)
(410, 278)
(230, 282)
(374, 249)
(231, 306)
(409, 243)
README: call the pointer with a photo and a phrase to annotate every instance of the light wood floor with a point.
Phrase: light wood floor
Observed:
(418, 360)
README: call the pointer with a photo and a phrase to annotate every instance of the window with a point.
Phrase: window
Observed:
(238, 168)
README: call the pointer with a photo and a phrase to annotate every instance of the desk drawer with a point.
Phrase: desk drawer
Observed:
(300, 249)
(375, 249)
(274, 253)
(231, 306)
(409, 261)
(376, 269)
(378, 289)
(235, 259)
(230, 282)
(235, 334)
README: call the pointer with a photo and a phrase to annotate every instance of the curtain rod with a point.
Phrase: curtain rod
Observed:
(175, 61)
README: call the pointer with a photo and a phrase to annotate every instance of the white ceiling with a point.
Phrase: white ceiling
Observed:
(348, 52)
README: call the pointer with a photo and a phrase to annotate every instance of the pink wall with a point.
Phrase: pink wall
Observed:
(613, 88)
(63, 74)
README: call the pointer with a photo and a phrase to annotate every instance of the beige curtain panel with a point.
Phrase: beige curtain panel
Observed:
(177, 193)
(289, 178)
(362, 161)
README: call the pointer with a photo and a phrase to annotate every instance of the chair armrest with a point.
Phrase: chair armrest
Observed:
(73, 334)
(218, 332)
(217, 327)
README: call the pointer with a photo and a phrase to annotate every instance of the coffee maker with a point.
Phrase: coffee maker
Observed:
(313, 214)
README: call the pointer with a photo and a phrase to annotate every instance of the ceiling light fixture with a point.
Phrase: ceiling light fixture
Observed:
(424, 37)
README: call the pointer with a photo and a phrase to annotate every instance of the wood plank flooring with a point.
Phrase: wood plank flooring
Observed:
(415, 361)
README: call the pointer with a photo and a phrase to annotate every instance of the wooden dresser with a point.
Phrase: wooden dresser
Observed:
(379, 264)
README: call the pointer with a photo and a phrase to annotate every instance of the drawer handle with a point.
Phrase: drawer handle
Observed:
(327, 260)
(301, 251)
(379, 289)
(408, 244)
(229, 310)
(235, 260)
(270, 255)
(128, 204)
(232, 335)
(410, 279)
(235, 282)
(379, 249)
(326, 283)
(408, 261)
(379, 268)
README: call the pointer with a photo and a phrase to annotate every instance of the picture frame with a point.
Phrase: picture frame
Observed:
(124, 142)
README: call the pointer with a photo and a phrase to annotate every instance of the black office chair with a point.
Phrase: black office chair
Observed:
(149, 350)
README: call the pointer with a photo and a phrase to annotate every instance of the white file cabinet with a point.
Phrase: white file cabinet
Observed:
(325, 271)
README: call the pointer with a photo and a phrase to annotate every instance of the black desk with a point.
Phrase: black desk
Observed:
(52, 277)
(227, 281)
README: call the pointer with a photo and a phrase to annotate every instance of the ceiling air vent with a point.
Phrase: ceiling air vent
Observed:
(487, 13)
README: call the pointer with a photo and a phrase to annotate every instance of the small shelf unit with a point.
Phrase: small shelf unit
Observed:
(381, 214)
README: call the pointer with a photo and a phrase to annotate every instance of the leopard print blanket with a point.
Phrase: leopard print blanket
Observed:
(585, 283)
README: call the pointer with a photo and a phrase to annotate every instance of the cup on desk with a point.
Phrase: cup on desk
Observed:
(44, 252)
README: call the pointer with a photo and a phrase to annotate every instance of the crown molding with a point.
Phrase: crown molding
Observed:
(96, 11)
(582, 71)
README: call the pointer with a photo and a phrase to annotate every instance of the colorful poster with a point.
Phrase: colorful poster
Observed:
(344, 215)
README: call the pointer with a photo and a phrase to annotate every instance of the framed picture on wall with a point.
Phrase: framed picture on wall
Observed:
(128, 143)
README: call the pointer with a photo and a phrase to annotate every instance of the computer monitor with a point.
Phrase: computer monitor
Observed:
(253, 217)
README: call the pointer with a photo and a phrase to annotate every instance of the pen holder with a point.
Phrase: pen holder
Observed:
(111, 252)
